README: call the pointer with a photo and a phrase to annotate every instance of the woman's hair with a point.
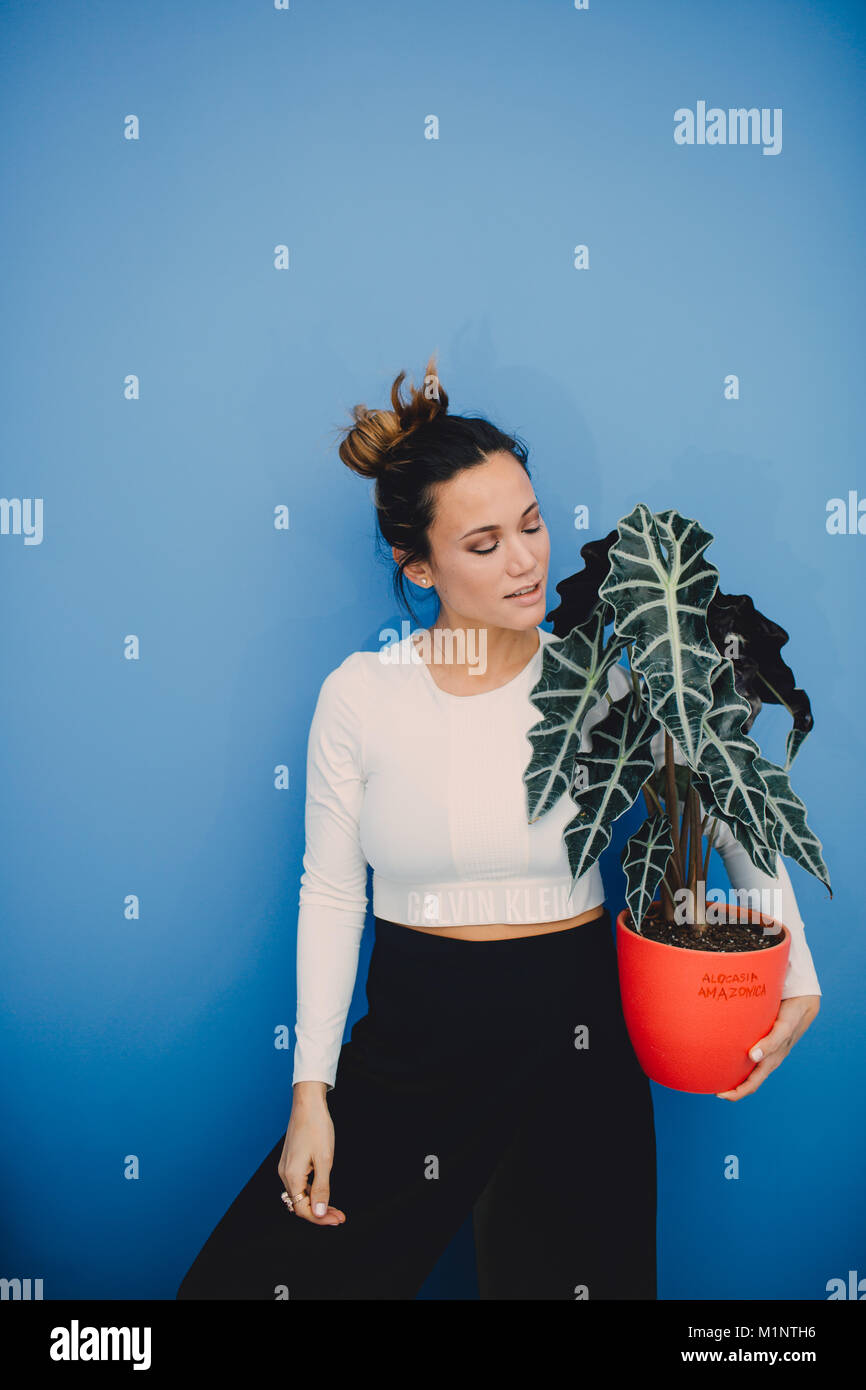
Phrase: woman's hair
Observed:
(409, 449)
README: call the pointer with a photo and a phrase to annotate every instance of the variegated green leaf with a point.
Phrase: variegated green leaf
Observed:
(644, 859)
(574, 673)
(760, 854)
(793, 743)
(790, 833)
(607, 779)
(727, 760)
(660, 586)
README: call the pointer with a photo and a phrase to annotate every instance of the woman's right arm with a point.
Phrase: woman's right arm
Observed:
(331, 917)
(309, 1147)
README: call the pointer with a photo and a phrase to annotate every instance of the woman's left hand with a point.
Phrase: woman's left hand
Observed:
(794, 1016)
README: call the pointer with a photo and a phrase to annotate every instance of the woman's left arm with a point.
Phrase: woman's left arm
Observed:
(801, 992)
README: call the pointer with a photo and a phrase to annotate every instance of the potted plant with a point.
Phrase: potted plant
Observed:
(700, 979)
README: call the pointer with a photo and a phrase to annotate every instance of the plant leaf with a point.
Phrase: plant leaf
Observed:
(727, 767)
(793, 744)
(579, 592)
(761, 674)
(573, 676)
(607, 779)
(644, 859)
(659, 587)
(790, 833)
(761, 855)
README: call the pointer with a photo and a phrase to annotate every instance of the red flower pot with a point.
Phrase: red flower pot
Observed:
(692, 1015)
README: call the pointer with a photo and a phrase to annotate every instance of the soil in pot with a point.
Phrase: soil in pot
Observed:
(721, 936)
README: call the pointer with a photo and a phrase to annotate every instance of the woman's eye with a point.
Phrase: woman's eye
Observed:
(531, 530)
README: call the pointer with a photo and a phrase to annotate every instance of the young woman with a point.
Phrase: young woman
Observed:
(492, 1073)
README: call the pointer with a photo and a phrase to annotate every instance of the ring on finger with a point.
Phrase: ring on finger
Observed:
(289, 1201)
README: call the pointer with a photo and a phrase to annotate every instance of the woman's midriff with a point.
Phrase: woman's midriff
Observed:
(495, 931)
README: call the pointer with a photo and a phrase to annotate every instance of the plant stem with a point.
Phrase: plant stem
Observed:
(700, 916)
(672, 803)
(683, 839)
(667, 901)
(713, 828)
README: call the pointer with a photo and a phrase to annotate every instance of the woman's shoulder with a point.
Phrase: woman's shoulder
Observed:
(343, 689)
(359, 671)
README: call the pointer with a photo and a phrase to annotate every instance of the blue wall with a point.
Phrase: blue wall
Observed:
(154, 257)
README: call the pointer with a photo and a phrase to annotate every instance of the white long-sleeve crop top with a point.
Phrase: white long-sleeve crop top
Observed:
(427, 788)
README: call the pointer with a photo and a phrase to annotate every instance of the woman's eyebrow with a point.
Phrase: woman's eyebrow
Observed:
(494, 526)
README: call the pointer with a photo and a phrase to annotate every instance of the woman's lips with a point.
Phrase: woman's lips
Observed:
(526, 599)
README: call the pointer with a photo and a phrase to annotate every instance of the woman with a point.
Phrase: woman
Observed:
(492, 1072)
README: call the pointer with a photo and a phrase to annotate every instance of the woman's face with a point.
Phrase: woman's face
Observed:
(488, 539)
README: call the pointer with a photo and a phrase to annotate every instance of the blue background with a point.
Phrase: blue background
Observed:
(155, 256)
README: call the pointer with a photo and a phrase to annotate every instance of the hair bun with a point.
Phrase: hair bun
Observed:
(372, 443)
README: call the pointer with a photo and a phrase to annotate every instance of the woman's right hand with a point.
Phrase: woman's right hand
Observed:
(309, 1147)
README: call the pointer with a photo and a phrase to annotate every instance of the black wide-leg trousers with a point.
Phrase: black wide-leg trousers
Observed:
(495, 1077)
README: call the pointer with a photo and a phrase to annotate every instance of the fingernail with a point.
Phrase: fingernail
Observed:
(320, 1208)
(756, 1054)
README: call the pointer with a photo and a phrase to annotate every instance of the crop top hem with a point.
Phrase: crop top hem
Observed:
(516, 902)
